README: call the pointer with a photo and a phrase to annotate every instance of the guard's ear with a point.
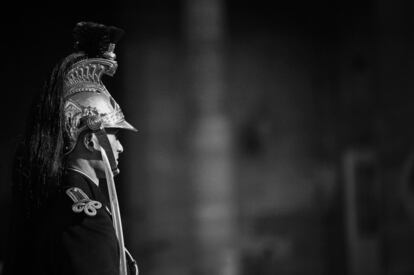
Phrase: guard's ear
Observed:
(88, 142)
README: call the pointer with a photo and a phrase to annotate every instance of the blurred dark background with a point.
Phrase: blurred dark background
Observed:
(275, 137)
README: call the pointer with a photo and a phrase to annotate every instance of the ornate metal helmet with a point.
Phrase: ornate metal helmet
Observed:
(86, 101)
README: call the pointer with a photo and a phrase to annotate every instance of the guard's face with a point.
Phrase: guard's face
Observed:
(115, 143)
(117, 149)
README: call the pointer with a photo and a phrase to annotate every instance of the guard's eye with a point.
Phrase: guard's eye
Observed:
(113, 131)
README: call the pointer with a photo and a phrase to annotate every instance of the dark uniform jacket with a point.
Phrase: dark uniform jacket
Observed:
(74, 235)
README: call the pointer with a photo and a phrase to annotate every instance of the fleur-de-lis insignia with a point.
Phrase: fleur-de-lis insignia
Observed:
(82, 202)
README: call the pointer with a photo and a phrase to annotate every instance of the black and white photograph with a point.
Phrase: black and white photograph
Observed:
(207, 137)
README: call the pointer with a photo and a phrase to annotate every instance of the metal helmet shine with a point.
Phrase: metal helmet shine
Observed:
(87, 104)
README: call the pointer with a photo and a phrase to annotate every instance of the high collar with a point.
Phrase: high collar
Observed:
(96, 182)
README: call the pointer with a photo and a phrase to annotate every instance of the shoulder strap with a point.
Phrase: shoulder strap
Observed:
(82, 202)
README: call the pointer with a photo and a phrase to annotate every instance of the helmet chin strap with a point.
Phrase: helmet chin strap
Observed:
(110, 166)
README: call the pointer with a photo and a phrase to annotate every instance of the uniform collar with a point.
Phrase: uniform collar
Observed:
(84, 174)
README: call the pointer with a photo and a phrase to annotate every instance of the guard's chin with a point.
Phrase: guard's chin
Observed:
(116, 172)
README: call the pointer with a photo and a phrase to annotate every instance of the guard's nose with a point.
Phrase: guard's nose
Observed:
(120, 147)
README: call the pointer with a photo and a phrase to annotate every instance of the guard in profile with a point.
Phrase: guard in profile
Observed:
(66, 217)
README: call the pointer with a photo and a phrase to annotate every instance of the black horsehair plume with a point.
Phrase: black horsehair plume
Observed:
(93, 39)
(39, 162)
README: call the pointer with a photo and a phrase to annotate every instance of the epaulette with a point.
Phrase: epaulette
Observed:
(82, 202)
